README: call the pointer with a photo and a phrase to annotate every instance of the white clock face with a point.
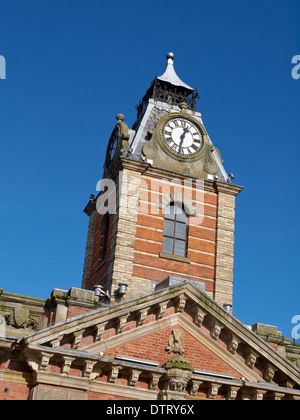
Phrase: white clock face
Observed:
(182, 136)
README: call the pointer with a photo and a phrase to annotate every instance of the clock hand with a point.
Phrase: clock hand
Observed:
(185, 130)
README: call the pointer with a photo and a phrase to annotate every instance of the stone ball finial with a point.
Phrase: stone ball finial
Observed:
(183, 106)
(120, 117)
(170, 55)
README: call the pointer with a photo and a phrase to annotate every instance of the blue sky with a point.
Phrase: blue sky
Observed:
(73, 65)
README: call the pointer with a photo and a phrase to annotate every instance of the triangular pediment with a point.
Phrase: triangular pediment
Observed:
(136, 333)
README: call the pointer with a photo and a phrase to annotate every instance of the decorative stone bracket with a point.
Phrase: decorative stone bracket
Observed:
(176, 381)
(204, 318)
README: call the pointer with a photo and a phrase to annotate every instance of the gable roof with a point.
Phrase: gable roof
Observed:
(181, 305)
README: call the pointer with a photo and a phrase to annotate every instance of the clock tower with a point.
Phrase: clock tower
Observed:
(166, 206)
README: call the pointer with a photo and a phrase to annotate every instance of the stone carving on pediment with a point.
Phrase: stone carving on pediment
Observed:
(21, 318)
(221, 334)
(175, 343)
(180, 303)
(232, 393)
(155, 377)
(33, 359)
(114, 373)
(251, 357)
(161, 309)
(55, 343)
(213, 391)
(99, 330)
(199, 316)
(178, 369)
(175, 383)
(67, 362)
(134, 377)
(77, 339)
(233, 344)
(142, 315)
(269, 372)
(121, 324)
(194, 387)
(88, 369)
(44, 362)
(216, 328)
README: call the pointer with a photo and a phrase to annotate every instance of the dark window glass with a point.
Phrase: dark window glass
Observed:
(181, 215)
(180, 232)
(179, 247)
(170, 212)
(169, 228)
(175, 230)
(168, 245)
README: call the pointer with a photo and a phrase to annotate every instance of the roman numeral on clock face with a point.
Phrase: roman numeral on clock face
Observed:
(168, 138)
(194, 147)
(182, 136)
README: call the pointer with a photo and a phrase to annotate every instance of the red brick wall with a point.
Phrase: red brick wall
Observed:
(13, 392)
(201, 244)
(76, 311)
(153, 347)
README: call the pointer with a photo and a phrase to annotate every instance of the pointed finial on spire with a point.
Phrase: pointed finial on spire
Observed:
(170, 75)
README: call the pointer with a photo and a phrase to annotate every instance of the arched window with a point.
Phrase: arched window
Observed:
(175, 230)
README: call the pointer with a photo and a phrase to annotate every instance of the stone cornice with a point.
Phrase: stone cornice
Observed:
(228, 188)
(90, 207)
(158, 173)
(15, 298)
(105, 314)
(215, 318)
(244, 334)
(38, 358)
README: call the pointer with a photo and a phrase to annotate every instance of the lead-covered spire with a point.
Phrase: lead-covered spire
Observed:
(170, 75)
(168, 88)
